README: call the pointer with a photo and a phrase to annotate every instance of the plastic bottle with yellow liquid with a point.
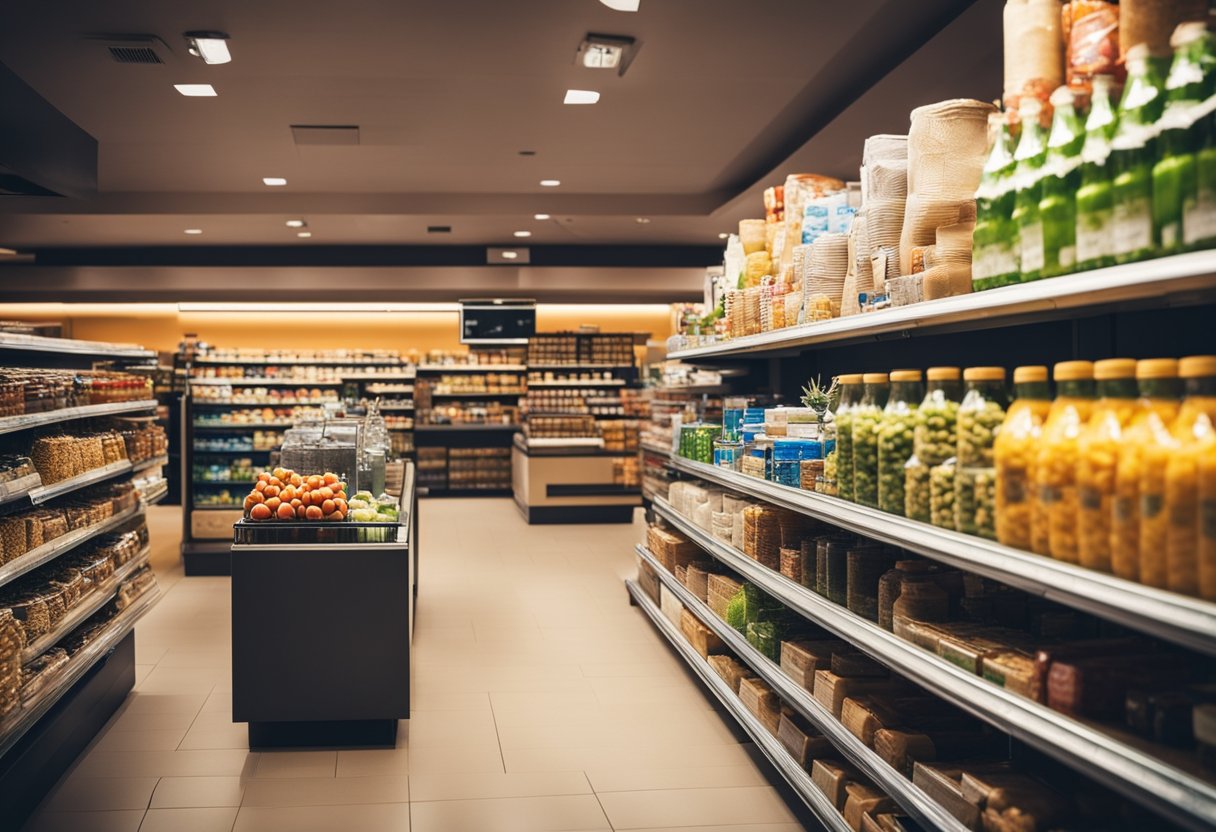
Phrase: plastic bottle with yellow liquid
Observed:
(1098, 454)
(1014, 455)
(1189, 484)
(1055, 532)
(1156, 409)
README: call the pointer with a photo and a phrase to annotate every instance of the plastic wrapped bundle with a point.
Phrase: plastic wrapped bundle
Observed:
(950, 273)
(828, 264)
(1091, 41)
(799, 189)
(860, 276)
(1152, 22)
(884, 171)
(1034, 47)
(734, 262)
(753, 235)
(757, 266)
(946, 148)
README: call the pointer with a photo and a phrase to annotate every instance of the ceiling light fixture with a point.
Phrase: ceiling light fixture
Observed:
(723, 235)
(622, 5)
(581, 97)
(541, 217)
(296, 223)
(606, 52)
(274, 181)
(212, 47)
(303, 234)
(550, 183)
(510, 255)
(523, 233)
(194, 231)
(642, 220)
(196, 90)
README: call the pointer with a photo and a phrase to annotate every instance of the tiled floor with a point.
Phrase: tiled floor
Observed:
(542, 701)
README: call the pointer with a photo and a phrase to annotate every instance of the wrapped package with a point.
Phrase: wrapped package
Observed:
(1151, 22)
(802, 742)
(1091, 43)
(670, 605)
(759, 698)
(1034, 47)
(1011, 800)
(943, 784)
(800, 659)
(884, 168)
(704, 640)
(732, 671)
(799, 189)
(831, 777)
(831, 690)
(1097, 687)
(861, 800)
(753, 234)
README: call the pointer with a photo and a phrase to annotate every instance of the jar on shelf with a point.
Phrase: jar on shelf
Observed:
(896, 434)
(979, 417)
(733, 409)
(941, 494)
(851, 391)
(728, 454)
(866, 419)
(1156, 409)
(1053, 528)
(1190, 484)
(934, 438)
(1097, 449)
(1014, 454)
(787, 461)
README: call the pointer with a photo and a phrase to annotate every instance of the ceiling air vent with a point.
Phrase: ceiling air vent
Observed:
(134, 55)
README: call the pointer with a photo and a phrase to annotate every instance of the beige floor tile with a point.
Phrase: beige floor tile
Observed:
(216, 730)
(744, 827)
(179, 721)
(654, 692)
(125, 821)
(376, 817)
(142, 671)
(693, 807)
(141, 703)
(211, 763)
(308, 791)
(184, 680)
(469, 786)
(219, 702)
(78, 794)
(189, 820)
(182, 657)
(584, 757)
(468, 701)
(436, 759)
(151, 740)
(633, 778)
(296, 764)
(197, 792)
(375, 762)
(450, 728)
(516, 814)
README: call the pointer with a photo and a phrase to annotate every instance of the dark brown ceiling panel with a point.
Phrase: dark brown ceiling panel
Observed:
(42, 153)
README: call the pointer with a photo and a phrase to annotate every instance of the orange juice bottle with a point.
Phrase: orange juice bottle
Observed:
(1160, 392)
(1014, 454)
(1098, 449)
(1055, 532)
(1194, 450)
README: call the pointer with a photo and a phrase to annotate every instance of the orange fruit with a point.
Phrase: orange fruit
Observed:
(260, 512)
(273, 503)
(261, 486)
(296, 503)
(340, 504)
(286, 512)
(314, 513)
(326, 492)
(296, 480)
(315, 482)
(328, 507)
(256, 496)
(271, 491)
(330, 478)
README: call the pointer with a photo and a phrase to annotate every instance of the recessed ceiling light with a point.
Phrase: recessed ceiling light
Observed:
(196, 90)
(723, 235)
(274, 181)
(510, 255)
(612, 52)
(622, 5)
(581, 97)
(642, 220)
(212, 47)
(303, 233)
(296, 223)
(540, 216)
(523, 233)
(550, 183)
(194, 231)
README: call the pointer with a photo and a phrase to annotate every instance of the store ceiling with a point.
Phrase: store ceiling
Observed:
(721, 97)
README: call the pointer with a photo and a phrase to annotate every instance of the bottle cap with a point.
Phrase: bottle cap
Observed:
(874, 378)
(1074, 370)
(905, 375)
(851, 378)
(943, 373)
(1157, 368)
(1197, 366)
(1029, 374)
(984, 374)
(1114, 368)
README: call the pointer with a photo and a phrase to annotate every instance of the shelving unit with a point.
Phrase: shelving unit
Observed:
(25, 421)
(1174, 791)
(47, 552)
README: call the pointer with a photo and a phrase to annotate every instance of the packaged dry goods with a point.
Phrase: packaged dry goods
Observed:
(851, 394)
(803, 742)
(895, 437)
(979, 418)
(1152, 22)
(762, 701)
(1098, 449)
(732, 671)
(1190, 542)
(863, 800)
(801, 658)
(934, 438)
(704, 640)
(1054, 522)
(1014, 454)
(1034, 48)
(1091, 39)
(832, 777)
(866, 421)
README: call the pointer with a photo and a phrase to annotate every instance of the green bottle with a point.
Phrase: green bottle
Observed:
(1180, 220)
(1030, 156)
(1060, 183)
(1095, 198)
(1132, 156)
(994, 258)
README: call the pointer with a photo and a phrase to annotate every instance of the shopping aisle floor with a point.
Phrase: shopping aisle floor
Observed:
(541, 701)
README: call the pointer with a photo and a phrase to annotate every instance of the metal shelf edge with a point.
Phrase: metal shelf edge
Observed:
(45, 493)
(33, 559)
(25, 421)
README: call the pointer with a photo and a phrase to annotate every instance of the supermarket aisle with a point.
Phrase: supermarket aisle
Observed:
(542, 701)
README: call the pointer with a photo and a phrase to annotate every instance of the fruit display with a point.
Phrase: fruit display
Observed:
(364, 508)
(285, 495)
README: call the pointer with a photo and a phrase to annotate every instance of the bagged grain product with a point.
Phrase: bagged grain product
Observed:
(1034, 46)
(1151, 22)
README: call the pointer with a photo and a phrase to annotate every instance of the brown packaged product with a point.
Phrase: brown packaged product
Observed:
(861, 799)
(704, 640)
(863, 715)
(1013, 670)
(943, 785)
(870, 823)
(759, 698)
(791, 564)
(721, 589)
(1091, 38)
(731, 670)
(1152, 22)
(670, 548)
(681, 574)
(831, 690)
(648, 580)
(856, 665)
(968, 651)
(803, 743)
(865, 567)
(12, 531)
(697, 580)
(800, 659)
(1097, 687)
(902, 748)
(923, 635)
(831, 776)
(1088, 648)
(33, 530)
(1016, 801)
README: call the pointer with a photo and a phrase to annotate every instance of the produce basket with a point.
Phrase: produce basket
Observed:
(319, 532)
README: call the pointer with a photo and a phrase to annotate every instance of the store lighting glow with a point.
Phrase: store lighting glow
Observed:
(550, 183)
(212, 47)
(296, 223)
(304, 234)
(581, 97)
(523, 233)
(274, 181)
(194, 231)
(510, 255)
(8, 252)
(540, 216)
(320, 308)
(642, 220)
(196, 90)
(723, 236)
(622, 5)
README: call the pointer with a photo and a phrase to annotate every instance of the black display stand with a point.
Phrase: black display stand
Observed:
(321, 639)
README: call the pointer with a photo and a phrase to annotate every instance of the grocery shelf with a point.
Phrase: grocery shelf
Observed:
(308, 362)
(472, 368)
(88, 605)
(1172, 791)
(154, 495)
(433, 491)
(19, 488)
(798, 779)
(52, 549)
(226, 483)
(484, 394)
(38, 343)
(1183, 620)
(695, 389)
(154, 462)
(576, 366)
(380, 377)
(265, 382)
(395, 408)
(19, 722)
(230, 451)
(465, 428)
(196, 402)
(43, 493)
(242, 425)
(24, 421)
(1167, 281)
(615, 382)
(914, 801)
(651, 448)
